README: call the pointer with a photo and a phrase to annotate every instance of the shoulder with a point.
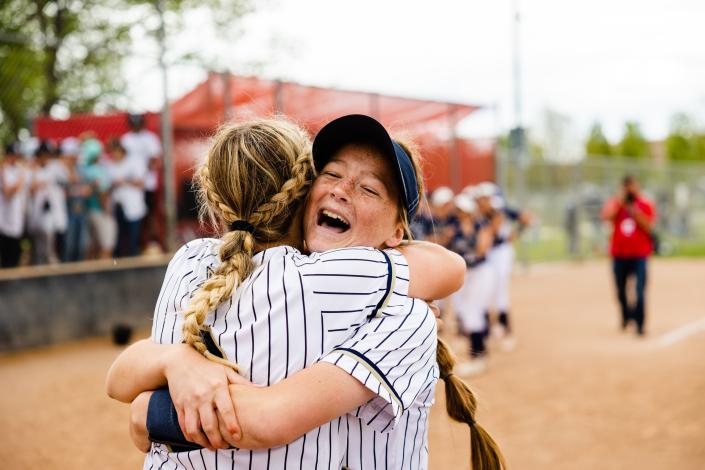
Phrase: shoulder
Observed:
(352, 256)
(198, 254)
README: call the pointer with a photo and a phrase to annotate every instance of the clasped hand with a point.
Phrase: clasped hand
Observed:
(200, 391)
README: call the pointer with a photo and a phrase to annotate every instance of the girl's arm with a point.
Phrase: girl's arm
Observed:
(198, 386)
(434, 271)
(484, 241)
(137, 369)
(276, 415)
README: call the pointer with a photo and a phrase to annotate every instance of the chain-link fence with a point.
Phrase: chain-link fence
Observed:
(566, 200)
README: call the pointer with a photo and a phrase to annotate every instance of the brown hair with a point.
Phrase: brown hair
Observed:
(256, 173)
(461, 404)
(412, 150)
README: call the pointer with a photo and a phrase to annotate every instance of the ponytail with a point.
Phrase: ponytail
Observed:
(461, 406)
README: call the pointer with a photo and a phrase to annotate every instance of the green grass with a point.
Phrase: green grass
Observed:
(689, 249)
(552, 246)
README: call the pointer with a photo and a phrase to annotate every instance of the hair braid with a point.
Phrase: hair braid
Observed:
(208, 196)
(461, 406)
(293, 189)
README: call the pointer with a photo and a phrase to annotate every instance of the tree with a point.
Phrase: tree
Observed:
(684, 142)
(597, 143)
(633, 143)
(67, 54)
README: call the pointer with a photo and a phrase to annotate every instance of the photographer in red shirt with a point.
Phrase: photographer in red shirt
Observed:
(633, 217)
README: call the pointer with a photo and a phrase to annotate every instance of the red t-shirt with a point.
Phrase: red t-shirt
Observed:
(628, 239)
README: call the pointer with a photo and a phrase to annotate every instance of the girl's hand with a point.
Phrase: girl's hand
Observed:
(199, 388)
(138, 422)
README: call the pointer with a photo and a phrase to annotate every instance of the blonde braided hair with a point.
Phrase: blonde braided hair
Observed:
(257, 172)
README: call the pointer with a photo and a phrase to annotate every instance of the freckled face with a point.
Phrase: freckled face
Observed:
(353, 202)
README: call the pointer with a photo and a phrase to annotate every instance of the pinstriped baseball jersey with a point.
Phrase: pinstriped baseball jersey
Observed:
(289, 313)
(401, 348)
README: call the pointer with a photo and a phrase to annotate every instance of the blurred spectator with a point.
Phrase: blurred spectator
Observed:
(632, 217)
(77, 191)
(47, 211)
(127, 176)
(145, 145)
(101, 223)
(60, 176)
(14, 179)
(572, 227)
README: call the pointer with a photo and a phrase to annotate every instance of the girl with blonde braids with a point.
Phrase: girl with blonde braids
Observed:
(357, 200)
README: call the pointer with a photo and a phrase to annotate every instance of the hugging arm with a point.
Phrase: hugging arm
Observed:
(268, 416)
(434, 271)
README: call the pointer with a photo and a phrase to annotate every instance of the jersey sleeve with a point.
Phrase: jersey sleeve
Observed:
(190, 267)
(395, 357)
(362, 282)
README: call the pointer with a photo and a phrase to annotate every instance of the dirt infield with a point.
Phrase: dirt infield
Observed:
(575, 393)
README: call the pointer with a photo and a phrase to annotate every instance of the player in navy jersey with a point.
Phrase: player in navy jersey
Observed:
(492, 204)
(472, 241)
(363, 356)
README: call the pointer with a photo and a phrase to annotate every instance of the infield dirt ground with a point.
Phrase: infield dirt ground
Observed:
(575, 393)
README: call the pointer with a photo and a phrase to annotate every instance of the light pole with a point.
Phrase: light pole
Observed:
(518, 155)
(167, 144)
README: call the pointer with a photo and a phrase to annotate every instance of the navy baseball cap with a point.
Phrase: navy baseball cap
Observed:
(358, 128)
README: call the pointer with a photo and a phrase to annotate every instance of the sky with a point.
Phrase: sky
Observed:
(599, 60)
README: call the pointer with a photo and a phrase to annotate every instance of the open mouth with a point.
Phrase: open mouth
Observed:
(333, 221)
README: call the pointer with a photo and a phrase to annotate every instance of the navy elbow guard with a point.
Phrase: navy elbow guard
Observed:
(163, 423)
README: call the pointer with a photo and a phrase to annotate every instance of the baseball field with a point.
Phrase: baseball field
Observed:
(575, 393)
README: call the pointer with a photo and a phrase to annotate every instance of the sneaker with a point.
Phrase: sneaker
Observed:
(473, 367)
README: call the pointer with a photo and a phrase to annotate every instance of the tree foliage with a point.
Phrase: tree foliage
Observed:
(597, 144)
(633, 143)
(684, 142)
(68, 53)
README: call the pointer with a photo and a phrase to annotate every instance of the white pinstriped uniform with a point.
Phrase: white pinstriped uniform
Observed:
(293, 311)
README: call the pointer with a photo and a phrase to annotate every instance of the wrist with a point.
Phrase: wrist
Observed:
(170, 358)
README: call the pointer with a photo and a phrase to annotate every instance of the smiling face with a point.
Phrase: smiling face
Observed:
(353, 202)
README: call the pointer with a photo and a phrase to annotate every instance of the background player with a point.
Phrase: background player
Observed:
(492, 206)
(472, 241)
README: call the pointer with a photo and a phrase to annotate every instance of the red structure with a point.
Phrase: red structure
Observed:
(448, 160)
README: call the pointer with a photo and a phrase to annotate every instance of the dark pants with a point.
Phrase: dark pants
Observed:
(76, 237)
(624, 268)
(128, 239)
(10, 251)
(477, 344)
